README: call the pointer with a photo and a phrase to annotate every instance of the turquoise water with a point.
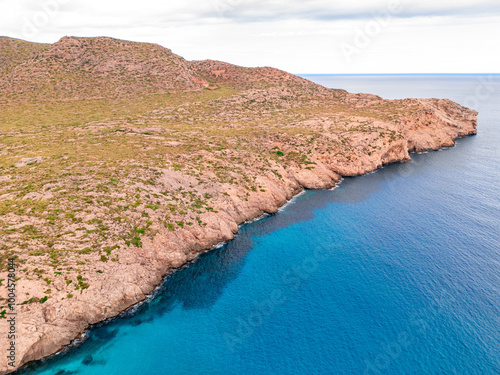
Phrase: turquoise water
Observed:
(396, 272)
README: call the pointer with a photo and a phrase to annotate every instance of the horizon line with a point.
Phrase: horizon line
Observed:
(392, 74)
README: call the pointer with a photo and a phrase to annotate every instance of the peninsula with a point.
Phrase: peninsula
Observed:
(121, 161)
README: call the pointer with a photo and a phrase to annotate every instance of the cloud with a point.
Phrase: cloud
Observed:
(326, 10)
(158, 12)
(301, 36)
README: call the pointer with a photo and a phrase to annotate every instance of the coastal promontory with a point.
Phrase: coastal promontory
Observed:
(121, 161)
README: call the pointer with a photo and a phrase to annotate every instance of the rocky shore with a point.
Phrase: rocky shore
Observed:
(45, 329)
(334, 134)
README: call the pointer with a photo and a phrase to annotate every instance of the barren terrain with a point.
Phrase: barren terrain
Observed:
(120, 161)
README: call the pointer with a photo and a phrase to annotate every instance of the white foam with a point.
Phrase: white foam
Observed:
(337, 184)
(291, 201)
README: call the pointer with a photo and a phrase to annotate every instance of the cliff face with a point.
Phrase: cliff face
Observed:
(118, 192)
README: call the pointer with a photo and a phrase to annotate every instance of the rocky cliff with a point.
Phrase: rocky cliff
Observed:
(141, 160)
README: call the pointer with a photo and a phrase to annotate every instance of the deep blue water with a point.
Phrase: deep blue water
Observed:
(396, 272)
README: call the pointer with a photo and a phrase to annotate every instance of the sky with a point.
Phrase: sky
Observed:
(299, 36)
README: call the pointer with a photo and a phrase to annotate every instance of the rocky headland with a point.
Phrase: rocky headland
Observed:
(122, 161)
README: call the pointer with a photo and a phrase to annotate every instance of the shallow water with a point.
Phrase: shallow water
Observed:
(396, 272)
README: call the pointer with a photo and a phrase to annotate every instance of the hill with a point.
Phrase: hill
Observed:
(14, 52)
(121, 161)
(86, 68)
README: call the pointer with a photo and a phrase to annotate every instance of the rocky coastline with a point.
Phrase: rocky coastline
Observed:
(145, 192)
(48, 328)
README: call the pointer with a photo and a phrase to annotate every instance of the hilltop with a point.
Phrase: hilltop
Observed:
(121, 161)
(88, 68)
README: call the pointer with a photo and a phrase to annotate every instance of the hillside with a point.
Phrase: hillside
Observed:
(14, 52)
(121, 161)
(89, 68)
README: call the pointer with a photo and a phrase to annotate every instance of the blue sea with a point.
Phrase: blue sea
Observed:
(396, 272)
